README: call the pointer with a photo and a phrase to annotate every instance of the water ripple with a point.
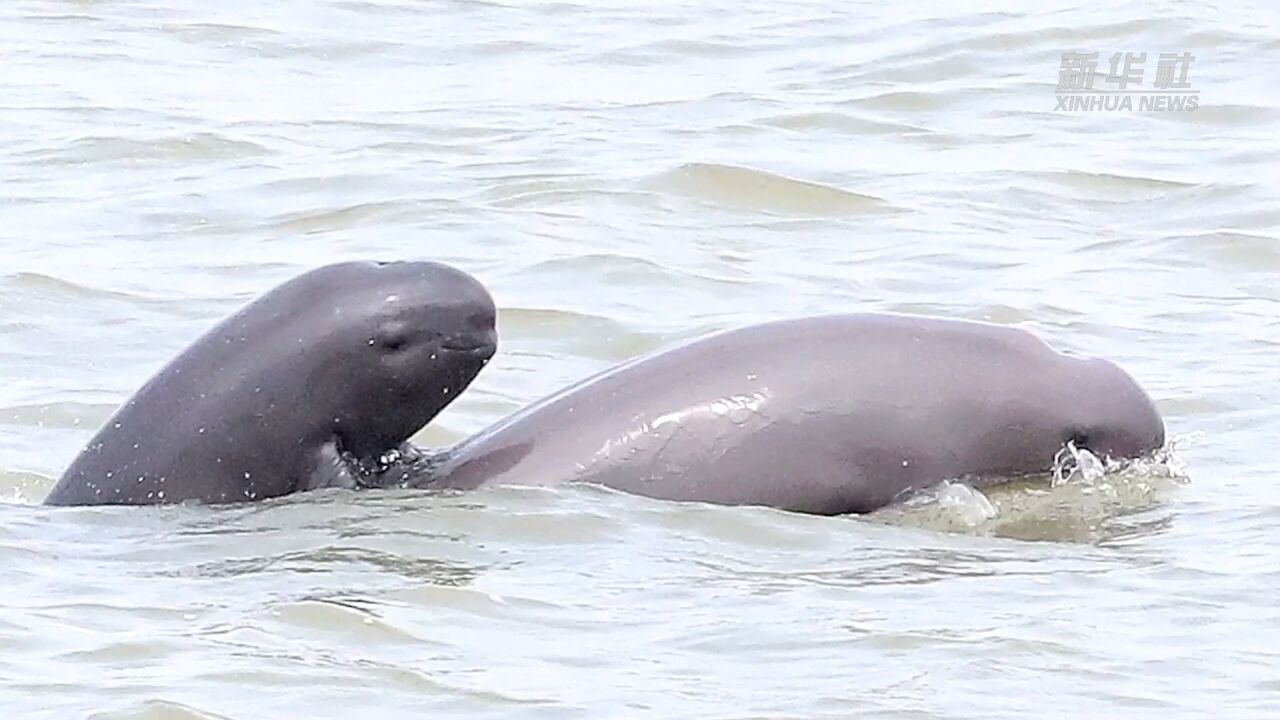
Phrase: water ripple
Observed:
(748, 189)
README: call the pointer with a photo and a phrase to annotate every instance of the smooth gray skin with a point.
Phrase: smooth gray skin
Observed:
(317, 383)
(830, 415)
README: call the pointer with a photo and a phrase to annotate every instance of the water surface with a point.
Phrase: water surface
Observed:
(624, 176)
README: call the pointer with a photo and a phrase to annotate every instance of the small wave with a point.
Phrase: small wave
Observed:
(61, 19)
(158, 710)
(846, 123)
(1227, 115)
(627, 271)
(45, 294)
(325, 220)
(66, 415)
(1236, 251)
(1112, 186)
(660, 51)
(577, 334)
(27, 284)
(219, 35)
(749, 189)
(557, 323)
(621, 267)
(907, 101)
(196, 147)
(327, 51)
(536, 189)
(269, 42)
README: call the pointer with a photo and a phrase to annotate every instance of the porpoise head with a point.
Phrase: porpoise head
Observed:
(403, 339)
(1053, 399)
(343, 362)
(1108, 413)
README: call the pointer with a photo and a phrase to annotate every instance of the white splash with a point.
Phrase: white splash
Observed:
(1076, 464)
(966, 504)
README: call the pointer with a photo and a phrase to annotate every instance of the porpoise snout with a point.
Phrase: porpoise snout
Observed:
(478, 343)
(475, 329)
(1125, 422)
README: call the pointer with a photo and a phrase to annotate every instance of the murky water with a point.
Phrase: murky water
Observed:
(622, 176)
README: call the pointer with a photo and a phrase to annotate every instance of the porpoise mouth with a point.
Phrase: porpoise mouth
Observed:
(469, 346)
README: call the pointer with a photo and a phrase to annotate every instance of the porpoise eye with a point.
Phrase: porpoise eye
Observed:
(393, 336)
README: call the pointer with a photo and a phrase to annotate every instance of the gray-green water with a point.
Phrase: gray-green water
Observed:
(622, 176)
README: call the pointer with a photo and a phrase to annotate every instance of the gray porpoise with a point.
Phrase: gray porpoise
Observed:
(317, 383)
(830, 415)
